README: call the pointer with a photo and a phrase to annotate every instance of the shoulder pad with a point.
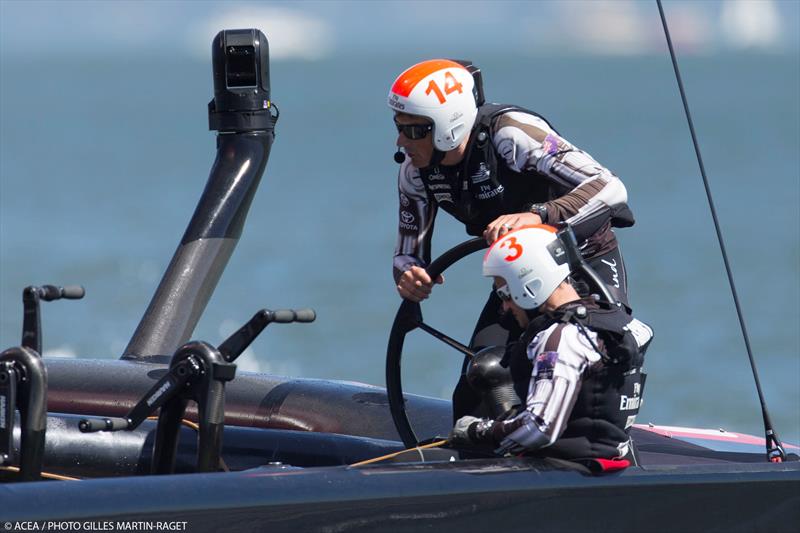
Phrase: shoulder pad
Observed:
(626, 338)
(488, 112)
(641, 332)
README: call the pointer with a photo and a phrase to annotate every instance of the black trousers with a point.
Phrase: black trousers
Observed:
(497, 328)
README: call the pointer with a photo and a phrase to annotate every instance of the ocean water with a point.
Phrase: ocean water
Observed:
(102, 162)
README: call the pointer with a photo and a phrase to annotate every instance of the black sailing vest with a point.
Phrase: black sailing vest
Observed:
(481, 187)
(611, 393)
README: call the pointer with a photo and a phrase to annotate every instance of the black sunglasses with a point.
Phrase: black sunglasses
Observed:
(414, 132)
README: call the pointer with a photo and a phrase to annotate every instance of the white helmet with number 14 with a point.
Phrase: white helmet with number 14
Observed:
(531, 260)
(442, 91)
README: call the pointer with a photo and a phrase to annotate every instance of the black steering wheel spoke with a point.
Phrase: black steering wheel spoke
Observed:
(409, 318)
(451, 342)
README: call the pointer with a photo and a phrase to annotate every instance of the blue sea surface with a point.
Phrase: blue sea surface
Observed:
(103, 160)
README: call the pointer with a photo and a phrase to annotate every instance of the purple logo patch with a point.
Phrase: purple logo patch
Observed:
(547, 358)
(550, 144)
(545, 363)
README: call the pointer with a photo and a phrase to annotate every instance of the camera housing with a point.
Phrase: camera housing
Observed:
(241, 103)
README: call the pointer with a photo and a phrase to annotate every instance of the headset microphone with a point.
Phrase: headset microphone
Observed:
(399, 156)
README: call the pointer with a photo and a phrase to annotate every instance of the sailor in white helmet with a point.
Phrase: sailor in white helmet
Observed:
(494, 167)
(584, 380)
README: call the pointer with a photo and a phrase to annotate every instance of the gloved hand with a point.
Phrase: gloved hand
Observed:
(509, 446)
(460, 432)
(531, 436)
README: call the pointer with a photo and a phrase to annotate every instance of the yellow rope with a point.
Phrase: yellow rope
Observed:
(193, 425)
(188, 423)
(45, 475)
(395, 454)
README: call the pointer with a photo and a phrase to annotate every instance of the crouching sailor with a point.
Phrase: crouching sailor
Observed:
(583, 366)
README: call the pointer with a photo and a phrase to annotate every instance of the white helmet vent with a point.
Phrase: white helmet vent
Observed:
(533, 287)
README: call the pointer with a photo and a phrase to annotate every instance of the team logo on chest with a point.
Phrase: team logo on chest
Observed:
(442, 190)
(487, 192)
(441, 197)
(482, 174)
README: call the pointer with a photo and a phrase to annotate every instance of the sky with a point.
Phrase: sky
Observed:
(314, 30)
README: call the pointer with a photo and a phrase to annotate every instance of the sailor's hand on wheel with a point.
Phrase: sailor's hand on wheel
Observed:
(415, 284)
(460, 432)
(505, 223)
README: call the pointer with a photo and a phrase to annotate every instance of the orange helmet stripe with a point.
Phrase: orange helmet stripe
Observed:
(409, 79)
(547, 227)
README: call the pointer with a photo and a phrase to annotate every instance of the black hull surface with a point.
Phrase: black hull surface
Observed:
(96, 387)
(477, 495)
(314, 429)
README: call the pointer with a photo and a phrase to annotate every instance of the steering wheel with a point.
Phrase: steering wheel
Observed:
(409, 318)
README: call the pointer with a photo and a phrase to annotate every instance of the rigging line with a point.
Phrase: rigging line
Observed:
(775, 451)
(45, 475)
(419, 449)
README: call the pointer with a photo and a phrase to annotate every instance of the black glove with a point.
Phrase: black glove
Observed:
(460, 434)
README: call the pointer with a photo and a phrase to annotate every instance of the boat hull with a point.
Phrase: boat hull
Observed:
(316, 428)
(477, 495)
